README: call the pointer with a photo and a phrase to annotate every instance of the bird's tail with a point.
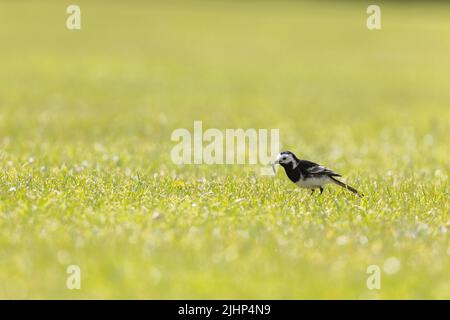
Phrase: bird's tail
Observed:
(346, 186)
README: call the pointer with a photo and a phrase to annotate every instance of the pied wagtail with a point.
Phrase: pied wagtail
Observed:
(307, 174)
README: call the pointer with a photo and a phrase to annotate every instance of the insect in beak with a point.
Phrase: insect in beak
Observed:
(273, 165)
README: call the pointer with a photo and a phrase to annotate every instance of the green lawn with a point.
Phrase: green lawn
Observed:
(86, 176)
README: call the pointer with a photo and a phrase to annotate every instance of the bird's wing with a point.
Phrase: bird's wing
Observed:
(314, 168)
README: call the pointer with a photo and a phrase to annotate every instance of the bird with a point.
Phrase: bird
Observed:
(307, 174)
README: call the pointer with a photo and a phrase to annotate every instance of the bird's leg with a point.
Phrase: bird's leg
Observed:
(321, 190)
(312, 191)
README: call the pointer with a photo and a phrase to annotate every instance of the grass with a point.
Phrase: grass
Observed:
(86, 176)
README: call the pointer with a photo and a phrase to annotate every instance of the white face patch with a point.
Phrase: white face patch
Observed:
(285, 158)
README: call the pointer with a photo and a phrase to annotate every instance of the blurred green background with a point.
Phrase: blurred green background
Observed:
(86, 176)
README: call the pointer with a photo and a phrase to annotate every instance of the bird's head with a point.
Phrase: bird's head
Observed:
(285, 159)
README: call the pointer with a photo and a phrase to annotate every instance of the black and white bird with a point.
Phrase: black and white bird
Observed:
(307, 174)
